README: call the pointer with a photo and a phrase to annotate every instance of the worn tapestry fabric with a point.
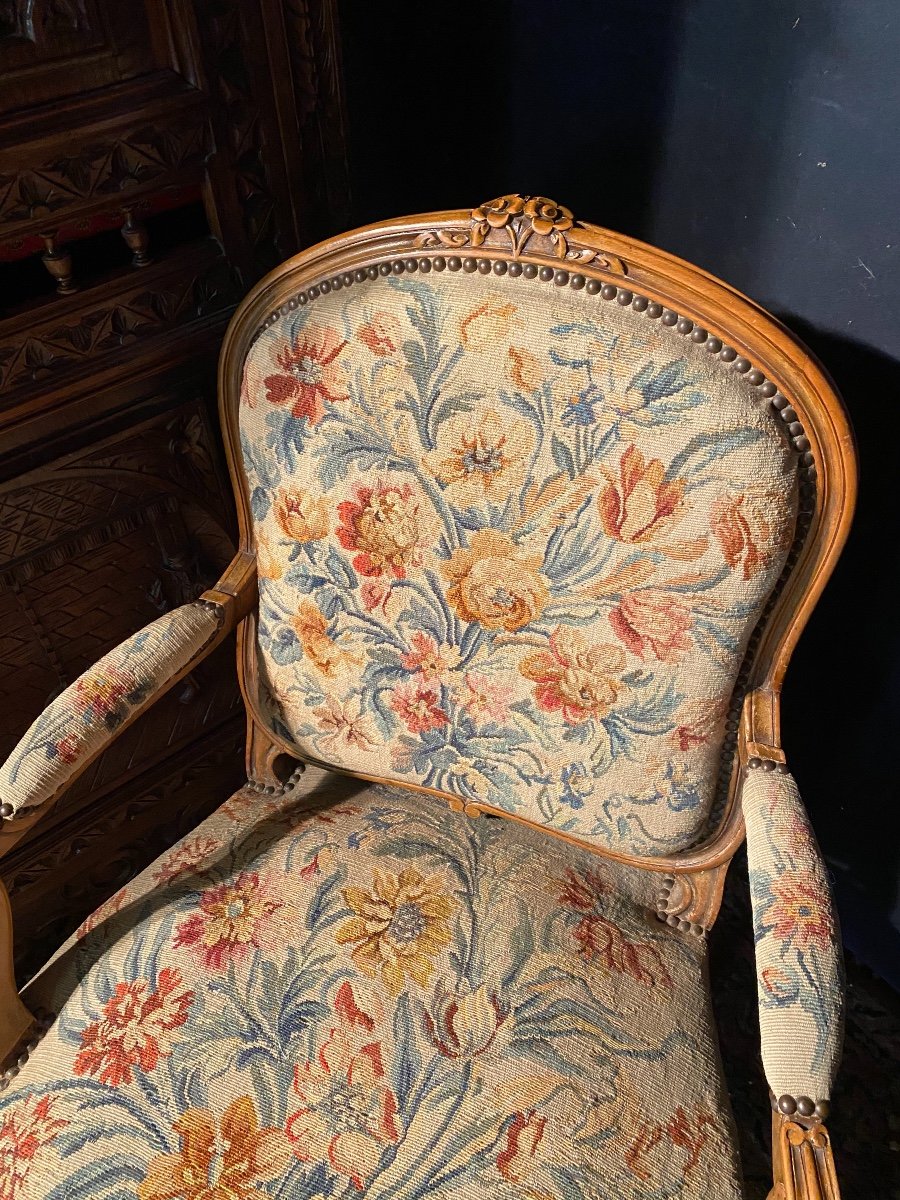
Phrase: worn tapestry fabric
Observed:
(799, 965)
(511, 541)
(85, 717)
(343, 992)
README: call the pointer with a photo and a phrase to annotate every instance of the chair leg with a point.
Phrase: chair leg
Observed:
(15, 1019)
(802, 1161)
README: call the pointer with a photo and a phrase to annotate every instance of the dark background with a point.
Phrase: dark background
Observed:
(759, 139)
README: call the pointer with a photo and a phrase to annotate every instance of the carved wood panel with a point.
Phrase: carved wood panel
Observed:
(48, 46)
(155, 159)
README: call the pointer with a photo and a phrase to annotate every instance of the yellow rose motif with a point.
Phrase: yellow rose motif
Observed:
(318, 645)
(574, 677)
(487, 324)
(481, 456)
(495, 583)
(218, 1161)
(398, 927)
(301, 517)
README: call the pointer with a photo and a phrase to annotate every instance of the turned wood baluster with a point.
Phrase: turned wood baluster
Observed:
(136, 238)
(58, 262)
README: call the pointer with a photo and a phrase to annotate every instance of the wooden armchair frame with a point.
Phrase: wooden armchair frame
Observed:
(557, 251)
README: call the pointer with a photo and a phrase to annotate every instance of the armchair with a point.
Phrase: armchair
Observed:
(532, 515)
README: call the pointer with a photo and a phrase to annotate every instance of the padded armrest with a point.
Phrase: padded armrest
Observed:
(84, 719)
(799, 966)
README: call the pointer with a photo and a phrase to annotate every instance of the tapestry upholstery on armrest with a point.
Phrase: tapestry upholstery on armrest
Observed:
(83, 719)
(799, 966)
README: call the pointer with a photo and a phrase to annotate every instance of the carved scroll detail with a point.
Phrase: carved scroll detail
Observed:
(690, 901)
(532, 225)
(803, 1163)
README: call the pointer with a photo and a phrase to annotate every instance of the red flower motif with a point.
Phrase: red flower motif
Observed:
(309, 374)
(230, 920)
(641, 503)
(381, 334)
(102, 697)
(382, 524)
(516, 1161)
(689, 1134)
(348, 1114)
(433, 662)
(417, 706)
(600, 939)
(653, 622)
(135, 1030)
(24, 1130)
(185, 858)
(67, 750)
(464, 1023)
(798, 913)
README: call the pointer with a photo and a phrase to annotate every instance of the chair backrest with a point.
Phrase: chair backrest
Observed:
(535, 507)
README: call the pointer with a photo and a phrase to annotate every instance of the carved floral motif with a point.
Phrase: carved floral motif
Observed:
(528, 221)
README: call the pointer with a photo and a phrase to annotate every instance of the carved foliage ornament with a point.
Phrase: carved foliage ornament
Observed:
(803, 1162)
(516, 222)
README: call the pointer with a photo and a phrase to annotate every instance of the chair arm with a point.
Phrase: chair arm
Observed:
(81, 722)
(799, 966)
(799, 975)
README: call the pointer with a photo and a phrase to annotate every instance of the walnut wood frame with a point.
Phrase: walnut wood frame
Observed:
(694, 886)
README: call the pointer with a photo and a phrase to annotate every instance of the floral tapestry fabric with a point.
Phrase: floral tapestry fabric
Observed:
(84, 718)
(511, 544)
(341, 992)
(799, 966)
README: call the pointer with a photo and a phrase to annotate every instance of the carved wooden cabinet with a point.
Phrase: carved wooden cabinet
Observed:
(156, 157)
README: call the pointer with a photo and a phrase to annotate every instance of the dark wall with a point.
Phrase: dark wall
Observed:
(760, 139)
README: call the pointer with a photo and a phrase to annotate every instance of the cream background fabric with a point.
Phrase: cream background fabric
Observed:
(366, 996)
(799, 964)
(512, 540)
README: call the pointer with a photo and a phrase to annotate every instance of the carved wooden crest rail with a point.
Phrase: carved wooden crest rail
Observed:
(529, 225)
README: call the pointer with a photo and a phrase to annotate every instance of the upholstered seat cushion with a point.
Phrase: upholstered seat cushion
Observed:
(348, 990)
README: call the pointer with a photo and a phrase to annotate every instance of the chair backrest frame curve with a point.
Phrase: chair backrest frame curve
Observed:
(630, 272)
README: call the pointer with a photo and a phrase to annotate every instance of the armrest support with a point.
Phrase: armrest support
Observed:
(799, 974)
(799, 966)
(81, 722)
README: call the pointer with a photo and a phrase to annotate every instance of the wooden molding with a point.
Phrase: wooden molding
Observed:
(802, 1160)
(690, 900)
(15, 1019)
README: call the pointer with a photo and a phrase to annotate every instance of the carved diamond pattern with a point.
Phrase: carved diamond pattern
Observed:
(51, 509)
(105, 168)
(43, 352)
